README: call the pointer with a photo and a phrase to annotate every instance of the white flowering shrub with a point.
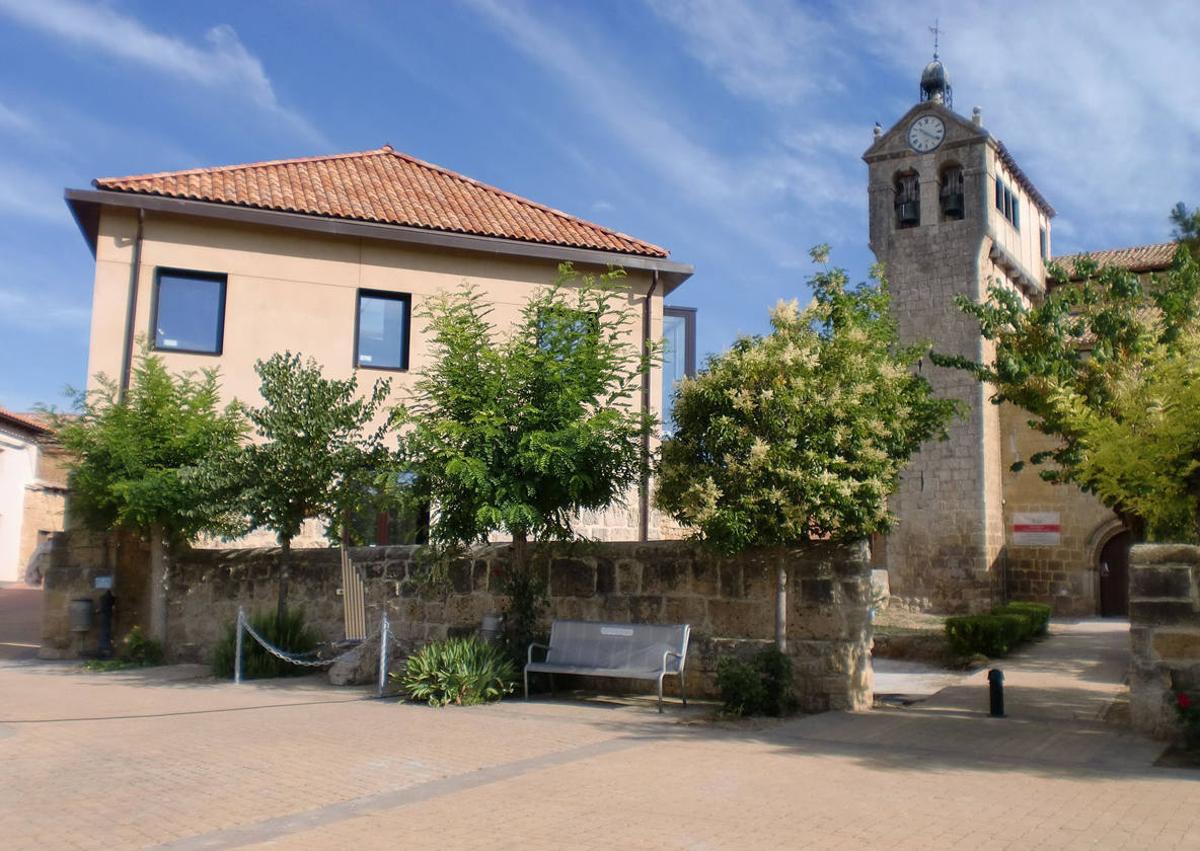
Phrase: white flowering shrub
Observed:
(802, 432)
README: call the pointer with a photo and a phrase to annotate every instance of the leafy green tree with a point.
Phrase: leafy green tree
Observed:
(803, 432)
(516, 433)
(1186, 227)
(138, 463)
(316, 452)
(1103, 364)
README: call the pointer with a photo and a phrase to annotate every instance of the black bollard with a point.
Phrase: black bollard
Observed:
(996, 692)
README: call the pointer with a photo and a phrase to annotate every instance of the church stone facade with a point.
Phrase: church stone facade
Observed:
(951, 214)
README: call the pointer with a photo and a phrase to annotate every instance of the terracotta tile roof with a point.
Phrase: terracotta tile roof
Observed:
(29, 422)
(383, 186)
(1140, 258)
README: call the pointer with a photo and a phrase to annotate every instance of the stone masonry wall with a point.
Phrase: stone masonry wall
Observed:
(948, 541)
(1164, 620)
(728, 601)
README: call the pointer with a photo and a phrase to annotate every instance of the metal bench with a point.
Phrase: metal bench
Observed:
(635, 651)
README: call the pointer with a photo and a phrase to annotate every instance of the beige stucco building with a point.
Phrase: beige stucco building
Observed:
(951, 214)
(32, 494)
(332, 257)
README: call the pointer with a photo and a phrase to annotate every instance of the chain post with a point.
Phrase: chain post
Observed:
(237, 647)
(384, 643)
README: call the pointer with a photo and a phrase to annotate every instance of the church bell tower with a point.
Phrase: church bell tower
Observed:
(950, 215)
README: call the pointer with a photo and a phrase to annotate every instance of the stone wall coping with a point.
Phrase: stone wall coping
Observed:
(1181, 555)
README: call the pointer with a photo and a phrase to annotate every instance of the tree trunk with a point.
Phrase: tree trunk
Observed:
(285, 572)
(520, 549)
(159, 583)
(781, 580)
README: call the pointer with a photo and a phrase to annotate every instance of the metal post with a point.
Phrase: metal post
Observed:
(384, 641)
(237, 646)
(781, 609)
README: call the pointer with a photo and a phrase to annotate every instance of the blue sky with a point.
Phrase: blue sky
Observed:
(729, 132)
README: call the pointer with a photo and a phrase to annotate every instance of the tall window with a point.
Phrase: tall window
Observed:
(1044, 247)
(908, 201)
(189, 311)
(679, 357)
(382, 329)
(950, 193)
(999, 195)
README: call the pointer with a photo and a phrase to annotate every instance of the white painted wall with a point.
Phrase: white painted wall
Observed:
(18, 470)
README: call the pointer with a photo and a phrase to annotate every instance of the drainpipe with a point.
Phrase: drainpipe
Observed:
(135, 270)
(644, 489)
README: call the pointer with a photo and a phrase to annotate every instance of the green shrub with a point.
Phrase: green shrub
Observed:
(140, 650)
(462, 671)
(292, 635)
(137, 651)
(991, 635)
(1036, 614)
(761, 686)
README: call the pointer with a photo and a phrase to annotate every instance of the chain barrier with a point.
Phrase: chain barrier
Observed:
(383, 631)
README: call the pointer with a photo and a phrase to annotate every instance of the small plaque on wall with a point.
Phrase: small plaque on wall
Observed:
(104, 583)
(1036, 529)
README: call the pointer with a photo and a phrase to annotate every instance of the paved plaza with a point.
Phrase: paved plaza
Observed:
(170, 758)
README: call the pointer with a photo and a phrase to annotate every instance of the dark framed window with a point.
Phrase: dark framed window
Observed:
(679, 357)
(188, 311)
(1016, 212)
(1042, 240)
(381, 329)
(999, 195)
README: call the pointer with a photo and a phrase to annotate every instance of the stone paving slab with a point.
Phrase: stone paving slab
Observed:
(168, 759)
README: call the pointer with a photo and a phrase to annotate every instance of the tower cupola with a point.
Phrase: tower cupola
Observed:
(935, 82)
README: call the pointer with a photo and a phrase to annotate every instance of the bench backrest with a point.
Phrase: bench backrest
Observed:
(627, 646)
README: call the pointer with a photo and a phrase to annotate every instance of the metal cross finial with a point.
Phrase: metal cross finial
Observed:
(936, 32)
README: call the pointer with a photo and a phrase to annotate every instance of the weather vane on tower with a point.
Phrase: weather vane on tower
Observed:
(935, 82)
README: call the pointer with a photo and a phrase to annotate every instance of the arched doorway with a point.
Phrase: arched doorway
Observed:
(1114, 576)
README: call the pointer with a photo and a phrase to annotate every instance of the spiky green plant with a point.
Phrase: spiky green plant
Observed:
(462, 671)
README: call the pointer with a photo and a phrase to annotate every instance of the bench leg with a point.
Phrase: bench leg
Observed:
(660, 679)
(527, 684)
(683, 686)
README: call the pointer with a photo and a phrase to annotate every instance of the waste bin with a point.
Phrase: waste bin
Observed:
(80, 613)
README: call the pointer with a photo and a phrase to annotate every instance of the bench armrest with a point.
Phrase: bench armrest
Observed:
(529, 658)
(668, 654)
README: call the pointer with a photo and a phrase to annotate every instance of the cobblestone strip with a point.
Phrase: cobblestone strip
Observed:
(284, 825)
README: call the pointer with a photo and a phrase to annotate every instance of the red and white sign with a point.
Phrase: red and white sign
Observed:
(1036, 529)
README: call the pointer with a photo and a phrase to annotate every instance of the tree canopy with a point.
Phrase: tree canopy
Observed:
(516, 433)
(316, 451)
(804, 431)
(1104, 365)
(139, 462)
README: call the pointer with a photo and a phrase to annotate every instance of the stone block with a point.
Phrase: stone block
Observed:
(1164, 554)
(1161, 612)
(606, 576)
(1161, 581)
(816, 592)
(706, 578)
(629, 577)
(665, 576)
(571, 577)
(1169, 644)
(731, 579)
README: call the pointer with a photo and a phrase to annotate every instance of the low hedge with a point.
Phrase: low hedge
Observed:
(991, 635)
(997, 633)
(1037, 616)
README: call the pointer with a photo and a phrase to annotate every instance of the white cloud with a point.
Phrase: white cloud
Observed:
(771, 51)
(1097, 100)
(43, 313)
(17, 122)
(221, 63)
(27, 193)
(750, 193)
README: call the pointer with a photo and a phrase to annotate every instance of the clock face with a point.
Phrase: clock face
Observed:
(926, 133)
